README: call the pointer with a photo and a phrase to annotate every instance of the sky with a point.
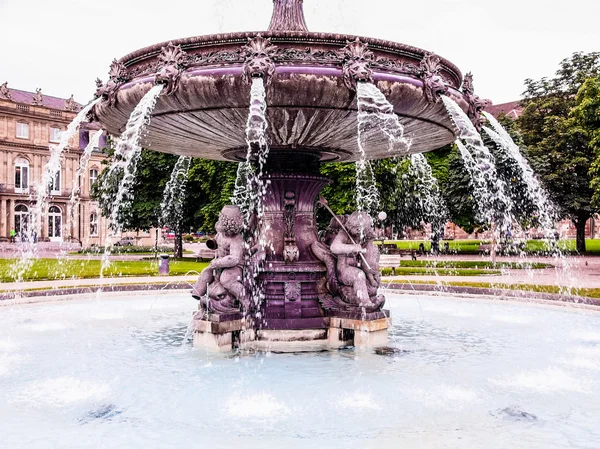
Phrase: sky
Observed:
(62, 46)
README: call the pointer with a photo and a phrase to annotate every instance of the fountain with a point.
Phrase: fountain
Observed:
(330, 98)
(109, 369)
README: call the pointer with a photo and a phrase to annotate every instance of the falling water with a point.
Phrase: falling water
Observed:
(79, 176)
(174, 194)
(126, 156)
(538, 197)
(251, 188)
(495, 206)
(428, 194)
(41, 192)
(375, 117)
(534, 192)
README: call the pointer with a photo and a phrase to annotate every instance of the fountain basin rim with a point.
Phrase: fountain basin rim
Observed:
(16, 299)
(293, 38)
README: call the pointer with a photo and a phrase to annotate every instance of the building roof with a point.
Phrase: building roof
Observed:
(513, 109)
(24, 97)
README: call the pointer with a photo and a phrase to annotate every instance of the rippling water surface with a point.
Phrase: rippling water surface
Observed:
(112, 373)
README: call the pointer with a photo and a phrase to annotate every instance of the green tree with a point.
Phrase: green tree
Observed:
(586, 115)
(556, 146)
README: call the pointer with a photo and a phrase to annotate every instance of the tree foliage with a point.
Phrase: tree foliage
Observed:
(557, 147)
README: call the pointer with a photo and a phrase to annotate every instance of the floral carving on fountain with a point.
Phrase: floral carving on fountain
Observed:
(433, 84)
(5, 91)
(476, 104)
(352, 260)
(220, 288)
(116, 76)
(356, 59)
(172, 64)
(259, 63)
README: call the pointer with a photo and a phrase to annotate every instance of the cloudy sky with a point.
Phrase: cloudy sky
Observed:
(62, 46)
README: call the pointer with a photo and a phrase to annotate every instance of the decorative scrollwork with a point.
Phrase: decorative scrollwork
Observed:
(259, 63)
(116, 76)
(429, 72)
(476, 104)
(356, 59)
(171, 65)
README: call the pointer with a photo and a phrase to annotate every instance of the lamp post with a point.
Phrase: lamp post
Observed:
(382, 216)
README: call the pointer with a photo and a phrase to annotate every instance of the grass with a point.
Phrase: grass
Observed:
(587, 292)
(424, 271)
(472, 246)
(477, 264)
(54, 269)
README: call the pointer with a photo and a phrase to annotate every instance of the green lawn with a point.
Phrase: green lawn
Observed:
(587, 292)
(427, 271)
(476, 264)
(51, 269)
(472, 246)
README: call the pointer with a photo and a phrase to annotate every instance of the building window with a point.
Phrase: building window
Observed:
(21, 175)
(93, 224)
(93, 176)
(54, 222)
(21, 220)
(22, 130)
(55, 134)
(54, 187)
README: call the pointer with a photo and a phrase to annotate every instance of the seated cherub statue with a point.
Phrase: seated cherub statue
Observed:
(220, 287)
(358, 262)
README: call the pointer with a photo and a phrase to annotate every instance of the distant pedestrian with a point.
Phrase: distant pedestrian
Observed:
(13, 236)
(34, 237)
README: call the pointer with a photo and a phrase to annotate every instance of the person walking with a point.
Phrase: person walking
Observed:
(13, 236)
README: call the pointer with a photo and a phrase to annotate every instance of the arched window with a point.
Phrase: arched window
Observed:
(93, 224)
(54, 223)
(21, 219)
(93, 176)
(21, 175)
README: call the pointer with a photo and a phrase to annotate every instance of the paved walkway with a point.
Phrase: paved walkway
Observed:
(76, 283)
(583, 272)
(579, 272)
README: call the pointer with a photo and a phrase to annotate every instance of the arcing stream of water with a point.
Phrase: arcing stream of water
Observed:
(375, 117)
(121, 173)
(495, 206)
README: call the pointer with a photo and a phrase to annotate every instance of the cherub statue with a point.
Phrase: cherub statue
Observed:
(358, 261)
(220, 287)
(352, 262)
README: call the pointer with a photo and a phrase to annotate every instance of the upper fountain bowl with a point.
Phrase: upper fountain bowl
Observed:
(310, 82)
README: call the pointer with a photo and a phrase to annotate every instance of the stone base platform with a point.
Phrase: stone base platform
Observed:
(217, 335)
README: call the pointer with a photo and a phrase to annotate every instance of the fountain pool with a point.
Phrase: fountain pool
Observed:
(112, 371)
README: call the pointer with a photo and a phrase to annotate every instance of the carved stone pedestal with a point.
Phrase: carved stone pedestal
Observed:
(217, 333)
(221, 333)
(360, 332)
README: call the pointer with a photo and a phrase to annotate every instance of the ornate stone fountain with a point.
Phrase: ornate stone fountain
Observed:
(318, 293)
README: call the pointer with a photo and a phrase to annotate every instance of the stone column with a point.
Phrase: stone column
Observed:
(11, 214)
(45, 229)
(3, 232)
